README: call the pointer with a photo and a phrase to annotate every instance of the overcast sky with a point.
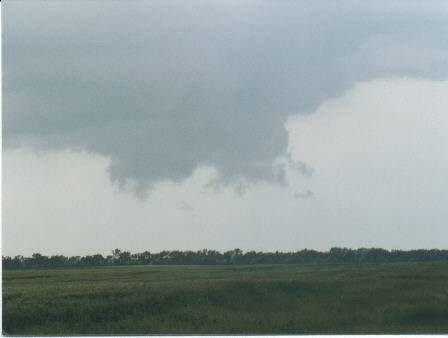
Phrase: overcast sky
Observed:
(264, 125)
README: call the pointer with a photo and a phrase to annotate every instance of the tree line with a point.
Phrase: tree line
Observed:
(236, 256)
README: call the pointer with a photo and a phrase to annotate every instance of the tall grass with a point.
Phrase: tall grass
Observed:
(374, 298)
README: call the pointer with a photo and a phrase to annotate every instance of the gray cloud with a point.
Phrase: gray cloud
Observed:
(185, 206)
(304, 195)
(162, 87)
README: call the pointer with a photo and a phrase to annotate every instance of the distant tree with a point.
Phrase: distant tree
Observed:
(236, 256)
(116, 254)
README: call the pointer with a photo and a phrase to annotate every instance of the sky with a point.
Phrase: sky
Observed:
(262, 125)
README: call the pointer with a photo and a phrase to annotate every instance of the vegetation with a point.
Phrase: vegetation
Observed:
(237, 256)
(408, 297)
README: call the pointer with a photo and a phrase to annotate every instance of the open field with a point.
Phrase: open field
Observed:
(370, 298)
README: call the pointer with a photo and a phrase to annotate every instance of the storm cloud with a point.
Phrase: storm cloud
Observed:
(163, 87)
(380, 154)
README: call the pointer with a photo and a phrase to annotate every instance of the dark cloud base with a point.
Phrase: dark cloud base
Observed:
(162, 87)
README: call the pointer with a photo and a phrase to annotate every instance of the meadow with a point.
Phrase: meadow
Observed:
(258, 299)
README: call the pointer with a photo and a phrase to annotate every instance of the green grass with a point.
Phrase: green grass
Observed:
(263, 299)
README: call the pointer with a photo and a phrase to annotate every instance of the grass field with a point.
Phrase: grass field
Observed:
(374, 298)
